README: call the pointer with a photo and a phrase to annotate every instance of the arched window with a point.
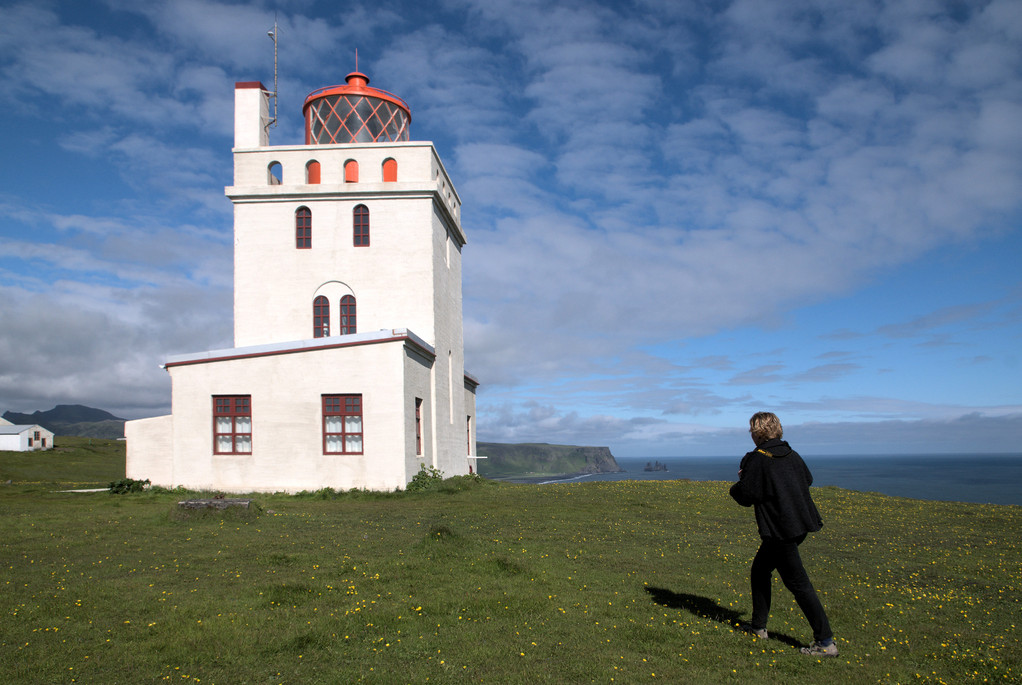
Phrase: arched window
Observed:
(312, 172)
(389, 170)
(351, 171)
(360, 222)
(321, 317)
(347, 322)
(303, 228)
(274, 174)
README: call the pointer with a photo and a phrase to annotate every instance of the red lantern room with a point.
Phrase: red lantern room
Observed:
(355, 113)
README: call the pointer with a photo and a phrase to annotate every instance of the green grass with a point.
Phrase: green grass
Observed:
(73, 462)
(612, 582)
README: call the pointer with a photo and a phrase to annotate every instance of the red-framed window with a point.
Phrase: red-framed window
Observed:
(360, 222)
(312, 173)
(342, 424)
(232, 424)
(418, 426)
(347, 318)
(303, 228)
(389, 170)
(351, 171)
(321, 317)
(469, 435)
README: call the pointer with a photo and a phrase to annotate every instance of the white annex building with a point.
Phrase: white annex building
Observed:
(24, 438)
(347, 369)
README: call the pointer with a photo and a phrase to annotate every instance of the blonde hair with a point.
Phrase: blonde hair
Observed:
(765, 426)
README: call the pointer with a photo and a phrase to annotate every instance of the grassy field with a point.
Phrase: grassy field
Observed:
(73, 462)
(475, 581)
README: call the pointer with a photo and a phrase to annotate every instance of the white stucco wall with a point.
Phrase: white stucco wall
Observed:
(251, 115)
(392, 279)
(287, 424)
(417, 384)
(275, 283)
(451, 411)
(150, 449)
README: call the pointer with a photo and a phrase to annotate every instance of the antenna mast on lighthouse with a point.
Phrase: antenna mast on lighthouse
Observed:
(273, 36)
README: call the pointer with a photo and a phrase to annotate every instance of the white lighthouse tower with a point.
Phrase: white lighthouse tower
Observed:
(347, 369)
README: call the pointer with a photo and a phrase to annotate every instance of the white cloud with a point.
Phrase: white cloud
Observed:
(90, 342)
(633, 176)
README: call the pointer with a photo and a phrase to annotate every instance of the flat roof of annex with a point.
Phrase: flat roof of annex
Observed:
(402, 335)
(397, 335)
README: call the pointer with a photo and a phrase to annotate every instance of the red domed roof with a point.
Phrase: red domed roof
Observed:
(355, 113)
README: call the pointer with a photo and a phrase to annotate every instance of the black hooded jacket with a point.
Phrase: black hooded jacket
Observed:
(775, 480)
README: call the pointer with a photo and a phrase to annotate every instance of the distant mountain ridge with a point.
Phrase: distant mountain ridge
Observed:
(73, 419)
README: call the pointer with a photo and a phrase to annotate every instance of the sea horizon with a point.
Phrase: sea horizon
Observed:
(993, 478)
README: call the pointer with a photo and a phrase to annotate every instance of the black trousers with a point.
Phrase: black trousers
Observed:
(783, 555)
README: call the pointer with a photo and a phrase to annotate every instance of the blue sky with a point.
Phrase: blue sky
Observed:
(678, 213)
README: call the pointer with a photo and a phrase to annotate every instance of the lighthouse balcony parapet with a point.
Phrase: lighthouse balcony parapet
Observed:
(285, 171)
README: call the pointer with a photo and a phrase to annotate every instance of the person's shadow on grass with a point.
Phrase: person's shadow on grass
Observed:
(704, 607)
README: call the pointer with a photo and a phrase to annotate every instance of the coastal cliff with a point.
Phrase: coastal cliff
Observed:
(536, 460)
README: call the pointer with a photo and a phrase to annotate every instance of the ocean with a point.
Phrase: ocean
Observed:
(984, 479)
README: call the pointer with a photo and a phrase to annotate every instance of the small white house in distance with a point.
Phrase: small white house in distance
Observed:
(15, 438)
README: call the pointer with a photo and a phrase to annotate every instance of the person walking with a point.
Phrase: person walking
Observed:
(775, 481)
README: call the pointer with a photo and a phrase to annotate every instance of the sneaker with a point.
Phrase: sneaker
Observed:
(820, 649)
(761, 633)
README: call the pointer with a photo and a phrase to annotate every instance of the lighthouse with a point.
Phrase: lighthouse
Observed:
(347, 369)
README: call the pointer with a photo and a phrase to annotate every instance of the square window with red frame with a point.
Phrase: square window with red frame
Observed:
(342, 424)
(232, 424)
